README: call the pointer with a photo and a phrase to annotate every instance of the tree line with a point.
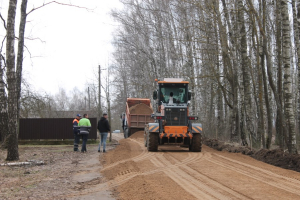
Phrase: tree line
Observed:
(241, 57)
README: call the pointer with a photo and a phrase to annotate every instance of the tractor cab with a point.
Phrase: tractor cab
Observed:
(172, 121)
(173, 93)
(172, 100)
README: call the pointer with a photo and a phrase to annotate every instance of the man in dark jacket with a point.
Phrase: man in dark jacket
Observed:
(104, 128)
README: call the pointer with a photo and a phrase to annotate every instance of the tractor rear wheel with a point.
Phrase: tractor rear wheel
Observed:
(152, 141)
(196, 145)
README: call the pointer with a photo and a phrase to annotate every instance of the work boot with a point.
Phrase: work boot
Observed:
(76, 147)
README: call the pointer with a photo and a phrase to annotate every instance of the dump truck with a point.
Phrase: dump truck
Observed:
(173, 124)
(138, 113)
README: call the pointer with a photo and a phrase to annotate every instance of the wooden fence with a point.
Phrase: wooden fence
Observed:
(51, 128)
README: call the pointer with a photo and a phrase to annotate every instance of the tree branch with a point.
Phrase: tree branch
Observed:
(4, 23)
(3, 58)
(2, 43)
(29, 38)
(64, 4)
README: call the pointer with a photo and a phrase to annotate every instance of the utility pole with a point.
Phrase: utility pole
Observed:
(99, 93)
(89, 98)
(108, 105)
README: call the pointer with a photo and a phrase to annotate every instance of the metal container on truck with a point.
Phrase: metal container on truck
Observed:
(138, 113)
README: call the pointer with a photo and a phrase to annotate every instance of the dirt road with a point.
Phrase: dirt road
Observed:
(132, 172)
(129, 171)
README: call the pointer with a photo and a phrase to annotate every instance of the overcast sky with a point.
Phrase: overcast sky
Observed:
(72, 42)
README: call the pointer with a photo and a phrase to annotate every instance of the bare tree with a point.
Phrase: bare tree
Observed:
(20, 52)
(288, 95)
(12, 136)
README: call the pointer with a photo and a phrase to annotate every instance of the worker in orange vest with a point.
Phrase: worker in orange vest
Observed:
(75, 131)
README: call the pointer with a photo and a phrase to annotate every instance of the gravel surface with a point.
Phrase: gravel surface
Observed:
(60, 176)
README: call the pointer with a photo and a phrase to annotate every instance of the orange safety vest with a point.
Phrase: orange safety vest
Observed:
(76, 120)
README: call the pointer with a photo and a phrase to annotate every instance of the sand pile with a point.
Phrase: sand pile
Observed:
(141, 108)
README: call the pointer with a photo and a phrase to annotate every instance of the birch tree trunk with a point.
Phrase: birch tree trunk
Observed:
(267, 98)
(3, 108)
(279, 119)
(296, 23)
(298, 27)
(20, 52)
(261, 125)
(12, 136)
(245, 69)
(288, 104)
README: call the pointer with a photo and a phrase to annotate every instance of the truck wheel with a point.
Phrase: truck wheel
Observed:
(145, 138)
(152, 143)
(126, 132)
(196, 145)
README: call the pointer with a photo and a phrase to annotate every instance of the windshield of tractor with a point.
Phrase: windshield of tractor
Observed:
(175, 90)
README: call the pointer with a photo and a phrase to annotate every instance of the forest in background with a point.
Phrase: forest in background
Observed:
(241, 58)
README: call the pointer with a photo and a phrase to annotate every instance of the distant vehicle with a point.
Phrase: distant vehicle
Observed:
(116, 131)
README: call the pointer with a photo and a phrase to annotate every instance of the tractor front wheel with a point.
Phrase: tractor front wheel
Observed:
(196, 145)
(152, 141)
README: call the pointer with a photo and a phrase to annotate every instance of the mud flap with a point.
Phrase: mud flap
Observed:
(197, 128)
(154, 127)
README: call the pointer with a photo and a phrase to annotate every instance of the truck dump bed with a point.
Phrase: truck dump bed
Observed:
(138, 112)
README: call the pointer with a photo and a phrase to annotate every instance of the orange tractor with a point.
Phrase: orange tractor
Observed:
(172, 121)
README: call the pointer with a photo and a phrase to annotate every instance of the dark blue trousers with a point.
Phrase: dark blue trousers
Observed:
(76, 141)
(84, 140)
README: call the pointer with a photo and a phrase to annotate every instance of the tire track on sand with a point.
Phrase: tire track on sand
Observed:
(207, 180)
(187, 182)
(272, 174)
(145, 154)
(256, 173)
(119, 180)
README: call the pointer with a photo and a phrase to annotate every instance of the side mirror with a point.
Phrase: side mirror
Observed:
(155, 95)
(189, 95)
